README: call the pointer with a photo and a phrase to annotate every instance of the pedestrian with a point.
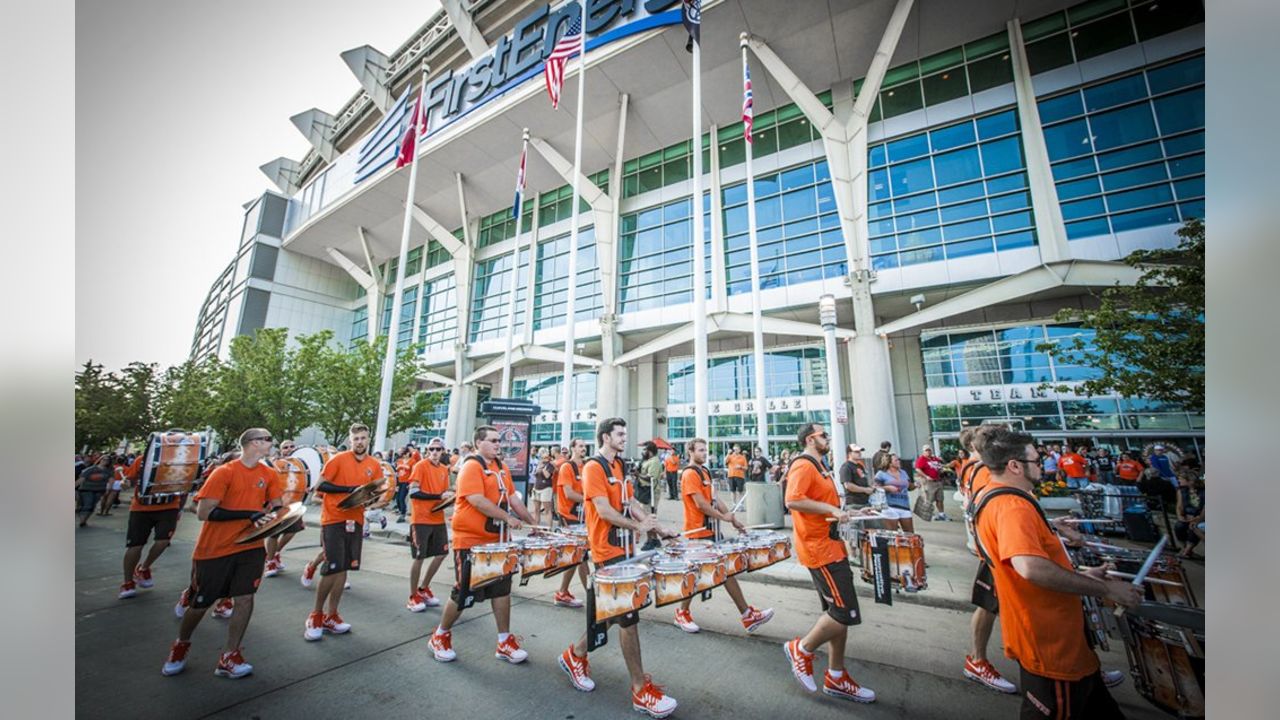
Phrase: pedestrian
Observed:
(736, 468)
(428, 536)
(118, 469)
(896, 483)
(1163, 464)
(672, 465)
(928, 474)
(276, 543)
(1074, 468)
(92, 485)
(814, 502)
(1190, 511)
(543, 490)
(239, 495)
(154, 518)
(758, 468)
(1105, 465)
(1129, 468)
(651, 476)
(885, 448)
(404, 466)
(778, 472)
(1040, 590)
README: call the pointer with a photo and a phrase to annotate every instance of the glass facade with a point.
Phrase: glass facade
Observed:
(948, 75)
(408, 307)
(546, 392)
(502, 226)
(492, 287)
(1093, 28)
(797, 229)
(1128, 152)
(655, 259)
(438, 326)
(950, 192)
(550, 304)
(787, 373)
(996, 374)
(436, 421)
(359, 325)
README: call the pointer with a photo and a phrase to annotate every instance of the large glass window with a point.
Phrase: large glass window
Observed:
(788, 373)
(955, 73)
(547, 392)
(950, 192)
(408, 306)
(502, 226)
(552, 296)
(439, 322)
(1128, 152)
(1097, 27)
(359, 326)
(492, 289)
(655, 260)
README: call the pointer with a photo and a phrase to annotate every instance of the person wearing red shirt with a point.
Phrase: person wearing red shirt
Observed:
(1073, 465)
(928, 470)
(1039, 589)
(428, 535)
(815, 501)
(239, 495)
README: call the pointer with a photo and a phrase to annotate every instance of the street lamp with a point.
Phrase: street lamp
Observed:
(827, 318)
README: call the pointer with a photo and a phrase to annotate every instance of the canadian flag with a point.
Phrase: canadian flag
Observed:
(417, 127)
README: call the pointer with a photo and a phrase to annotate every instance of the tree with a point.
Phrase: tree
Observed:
(185, 397)
(97, 394)
(135, 404)
(1148, 338)
(349, 387)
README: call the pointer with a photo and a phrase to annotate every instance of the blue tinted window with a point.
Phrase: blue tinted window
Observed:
(1116, 92)
(1194, 209)
(875, 156)
(1122, 127)
(969, 247)
(964, 211)
(1087, 228)
(884, 262)
(799, 204)
(1183, 111)
(960, 193)
(911, 177)
(886, 244)
(1184, 143)
(908, 148)
(1144, 218)
(916, 238)
(915, 202)
(1006, 183)
(1012, 221)
(917, 220)
(967, 229)
(1142, 175)
(1188, 165)
(1026, 238)
(1060, 108)
(797, 177)
(952, 137)
(957, 166)
(1129, 156)
(1067, 140)
(997, 125)
(1179, 74)
(878, 185)
(1078, 188)
(1012, 201)
(1131, 199)
(923, 255)
(1189, 188)
(1083, 208)
(1002, 156)
(1075, 168)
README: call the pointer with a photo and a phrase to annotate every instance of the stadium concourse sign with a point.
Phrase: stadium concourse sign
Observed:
(513, 418)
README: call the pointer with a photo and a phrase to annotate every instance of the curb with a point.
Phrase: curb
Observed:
(864, 591)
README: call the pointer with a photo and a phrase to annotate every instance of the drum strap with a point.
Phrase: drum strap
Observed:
(821, 471)
(705, 474)
(986, 498)
(968, 473)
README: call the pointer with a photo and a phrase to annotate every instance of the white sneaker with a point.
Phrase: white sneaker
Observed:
(346, 585)
(314, 627)
(684, 621)
(128, 590)
(416, 603)
(308, 575)
(177, 660)
(442, 646)
(334, 624)
(1112, 678)
(511, 651)
(232, 665)
(184, 602)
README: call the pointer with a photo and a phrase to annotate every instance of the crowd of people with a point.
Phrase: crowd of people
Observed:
(1023, 570)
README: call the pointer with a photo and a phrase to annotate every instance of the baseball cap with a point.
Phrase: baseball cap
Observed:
(853, 447)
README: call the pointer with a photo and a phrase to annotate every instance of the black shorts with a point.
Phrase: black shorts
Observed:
(834, 583)
(428, 540)
(1085, 699)
(341, 548)
(228, 576)
(462, 579)
(144, 524)
(626, 620)
(297, 527)
(737, 484)
(984, 590)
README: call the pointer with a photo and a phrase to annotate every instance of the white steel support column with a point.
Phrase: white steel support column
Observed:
(702, 422)
(719, 281)
(373, 295)
(827, 316)
(459, 405)
(845, 143)
(1051, 230)
(612, 382)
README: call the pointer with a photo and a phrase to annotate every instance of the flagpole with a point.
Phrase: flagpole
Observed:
(389, 361)
(505, 390)
(567, 396)
(757, 321)
(701, 422)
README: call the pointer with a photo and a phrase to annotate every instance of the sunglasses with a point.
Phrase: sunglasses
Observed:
(435, 449)
(268, 438)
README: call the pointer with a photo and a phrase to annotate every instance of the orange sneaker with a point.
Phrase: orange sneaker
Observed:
(224, 608)
(566, 599)
(845, 687)
(752, 619)
(984, 672)
(801, 664)
(232, 665)
(442, 646)
(650, 699)
(684, 621)
(578, 670)
(333, 623)
(429, 597)
(416, 603)
(510, 650)
(308, 575)
(314, 627)
(142, 576)
(177, 659)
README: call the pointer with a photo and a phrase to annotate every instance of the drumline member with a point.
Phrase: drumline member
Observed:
(487, 508)
(238, 495)
(223, 608)
(276, 543)
(428, 535)
(613, 519)
(340, 530)
(701, 507)
(568, 510)
(1039, 588)
(814, 500)
(157, 520)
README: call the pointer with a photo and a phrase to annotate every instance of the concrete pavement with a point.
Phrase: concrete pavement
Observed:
(910, 654)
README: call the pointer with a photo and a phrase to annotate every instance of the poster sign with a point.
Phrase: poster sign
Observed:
(880, 571)
(513, 418)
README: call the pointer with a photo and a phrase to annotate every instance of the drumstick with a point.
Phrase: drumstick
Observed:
(1153, 581)
(1099, 521)
(856, 518)
(1104, 546)
(1146, 567)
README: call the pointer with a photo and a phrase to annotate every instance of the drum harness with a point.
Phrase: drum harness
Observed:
(834, 532)
(504, 534)
(625, 536)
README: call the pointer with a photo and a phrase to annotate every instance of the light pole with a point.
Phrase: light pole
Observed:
(827, 318)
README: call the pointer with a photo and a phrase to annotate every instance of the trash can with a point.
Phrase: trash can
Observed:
(764, 504)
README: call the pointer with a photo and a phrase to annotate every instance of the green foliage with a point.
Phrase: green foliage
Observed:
(1149, 338)
(349, 387)
(112, 408)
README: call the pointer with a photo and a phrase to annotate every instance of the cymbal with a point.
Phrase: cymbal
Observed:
(443, 504)
(366, 494)
(284, 517)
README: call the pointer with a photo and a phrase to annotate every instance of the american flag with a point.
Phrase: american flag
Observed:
(417, 128)
(569, 44)
(515, 208)
(747, 102)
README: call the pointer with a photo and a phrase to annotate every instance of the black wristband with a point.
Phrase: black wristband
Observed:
(328, 487)
(425, 496)
(222, 514)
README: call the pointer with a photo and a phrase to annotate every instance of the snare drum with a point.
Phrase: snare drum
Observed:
(735, 557)
(906, 558)
(674, 579)
(710, 568)
(781, 546)
(537, 555)
(172, 465)
(1165, 644)
(490, 563)
(294, 478)
(569, 551)
(759, 552)
(620, 589)
(1166, 567)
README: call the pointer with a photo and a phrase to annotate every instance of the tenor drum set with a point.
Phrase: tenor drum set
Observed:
(172, 465)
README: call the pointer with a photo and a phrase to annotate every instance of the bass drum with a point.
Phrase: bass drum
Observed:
(314, 459)
(295, 479)
(172, 464)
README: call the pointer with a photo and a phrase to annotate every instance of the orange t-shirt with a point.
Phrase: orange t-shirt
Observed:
(404, 466)
(672, 463)
(470, 526)
(567, 477)
(736, 463)
(614, 488)
(235, 487)
(1043, 629)
(1073, 464)
(431, 478)
(693, 483)
(814, 545)
(344, 469)
(1129, 469)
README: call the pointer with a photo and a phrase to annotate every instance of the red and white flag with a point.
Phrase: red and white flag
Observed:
(417, 127)
(571, 43)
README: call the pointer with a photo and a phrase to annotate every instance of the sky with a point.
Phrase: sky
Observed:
(177, 104)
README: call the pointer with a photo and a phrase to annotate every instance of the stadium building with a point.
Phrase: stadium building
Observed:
(987, 172)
